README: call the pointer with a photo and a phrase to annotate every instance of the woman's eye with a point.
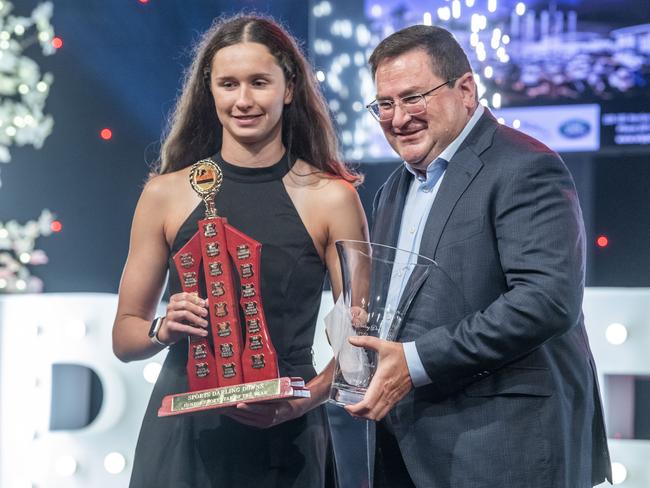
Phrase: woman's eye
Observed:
(260, 83)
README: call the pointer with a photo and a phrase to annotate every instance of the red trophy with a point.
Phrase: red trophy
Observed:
(230, 365)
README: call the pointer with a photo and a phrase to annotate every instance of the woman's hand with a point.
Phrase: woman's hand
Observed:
(269, 414)
(185, 317)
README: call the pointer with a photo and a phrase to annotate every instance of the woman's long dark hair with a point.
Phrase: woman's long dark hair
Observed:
(194, 131)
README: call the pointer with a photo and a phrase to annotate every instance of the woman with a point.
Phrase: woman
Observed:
(250, 102)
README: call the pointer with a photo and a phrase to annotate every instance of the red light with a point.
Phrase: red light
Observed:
(56, 226)
(57, 42)
(106, 134)
(143, 1)
(602, 241)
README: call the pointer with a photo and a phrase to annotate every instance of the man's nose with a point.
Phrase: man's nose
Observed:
(400, 116)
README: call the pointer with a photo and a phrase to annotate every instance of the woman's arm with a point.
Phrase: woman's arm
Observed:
(143, 282)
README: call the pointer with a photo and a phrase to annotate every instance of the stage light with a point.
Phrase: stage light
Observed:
(501, 120)
(505, 39)
(56, 226)
(19, 29)
(496, 100)
(320, 76)
(10, 131)
(616, 334)
(619, 473)
(469, 3)
(444, 13)
(357, 106)
(21, 285)
(520, 9)
(516, 123)
(25, 257)
(455, 9)
(143, 1)
(602, 241)
(426, 18)
(492, 5)
(57, 42)
(488, 72)
(41, 86)
(65, 466)
(114, 463)
(151, 372)
(3, 283)
(326, 7)
(376, 11)
(106, 134)
(363, 35)
(475, 25)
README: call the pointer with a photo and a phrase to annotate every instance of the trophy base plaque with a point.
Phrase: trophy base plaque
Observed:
(227, 396)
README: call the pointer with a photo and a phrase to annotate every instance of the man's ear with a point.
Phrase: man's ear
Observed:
(467, 87)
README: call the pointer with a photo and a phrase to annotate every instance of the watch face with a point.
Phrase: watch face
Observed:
(154, 327)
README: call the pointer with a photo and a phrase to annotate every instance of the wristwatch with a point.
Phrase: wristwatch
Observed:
(153, 331)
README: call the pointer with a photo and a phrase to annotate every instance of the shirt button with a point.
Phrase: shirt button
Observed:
(427, 190)
(412, 230)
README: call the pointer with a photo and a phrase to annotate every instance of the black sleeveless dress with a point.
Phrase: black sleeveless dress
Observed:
(206, 449)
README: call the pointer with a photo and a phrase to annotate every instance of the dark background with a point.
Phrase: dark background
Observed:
(120, 67)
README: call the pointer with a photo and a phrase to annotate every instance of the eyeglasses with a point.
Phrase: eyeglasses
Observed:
(384, 110)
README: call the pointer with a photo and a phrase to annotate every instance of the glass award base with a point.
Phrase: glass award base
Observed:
(343, 395)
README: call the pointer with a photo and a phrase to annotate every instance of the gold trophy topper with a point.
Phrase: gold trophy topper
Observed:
(206, 179)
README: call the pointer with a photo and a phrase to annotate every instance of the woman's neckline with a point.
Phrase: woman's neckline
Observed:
(260, 174)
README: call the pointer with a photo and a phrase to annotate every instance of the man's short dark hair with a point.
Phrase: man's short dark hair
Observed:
(448, 59)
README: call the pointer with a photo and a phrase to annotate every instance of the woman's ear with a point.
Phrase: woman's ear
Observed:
(288, 92)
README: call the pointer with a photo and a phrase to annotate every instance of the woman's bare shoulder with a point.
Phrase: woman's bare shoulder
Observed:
(304, 174)
(161, 186)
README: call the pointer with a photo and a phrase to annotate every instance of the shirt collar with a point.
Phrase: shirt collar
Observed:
(451, 149)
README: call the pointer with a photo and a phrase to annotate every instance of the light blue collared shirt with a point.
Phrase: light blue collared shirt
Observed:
(420, 197)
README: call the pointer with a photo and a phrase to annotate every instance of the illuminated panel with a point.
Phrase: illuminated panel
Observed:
(618, 323)
(37, 331)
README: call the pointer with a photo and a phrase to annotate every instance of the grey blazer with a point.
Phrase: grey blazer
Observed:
(514, 401)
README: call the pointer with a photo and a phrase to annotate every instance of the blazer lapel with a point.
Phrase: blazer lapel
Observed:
(462, 169)
(389, 209)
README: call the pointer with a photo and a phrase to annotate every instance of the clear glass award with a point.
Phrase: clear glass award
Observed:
(380, 284)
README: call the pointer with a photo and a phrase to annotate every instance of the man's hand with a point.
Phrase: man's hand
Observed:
(390, 383)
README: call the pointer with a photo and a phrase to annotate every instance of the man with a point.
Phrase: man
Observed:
(506, 394)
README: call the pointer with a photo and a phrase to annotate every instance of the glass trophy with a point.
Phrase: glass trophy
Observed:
(380, 284)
